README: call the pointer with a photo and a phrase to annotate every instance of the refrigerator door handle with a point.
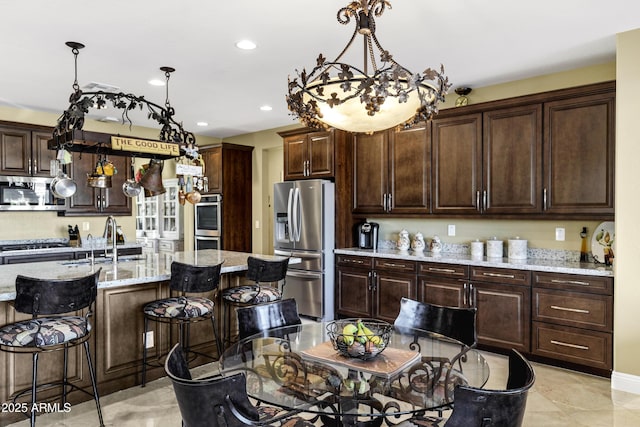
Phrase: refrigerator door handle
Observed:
(290, 215)
(280, 252)
(296, 217)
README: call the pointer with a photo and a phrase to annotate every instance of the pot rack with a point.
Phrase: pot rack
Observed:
(68, 134)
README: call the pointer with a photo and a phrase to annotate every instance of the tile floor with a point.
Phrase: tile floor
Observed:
(558, 398)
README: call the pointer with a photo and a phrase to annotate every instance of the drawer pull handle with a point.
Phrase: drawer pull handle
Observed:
(570, 282)
(442, 270)
(390, 264)
(508, 276)
(566, 344)
(355, 261)
(573, 310)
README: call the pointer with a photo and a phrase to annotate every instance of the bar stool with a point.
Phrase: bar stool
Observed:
(184, 310)
(259, 271)
(52, 328)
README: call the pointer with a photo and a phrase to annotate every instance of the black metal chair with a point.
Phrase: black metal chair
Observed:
(261, 272)
(52, 327)
(219, 400)
(475, 407)
(453, 322)
(264, 317)
(184, 310)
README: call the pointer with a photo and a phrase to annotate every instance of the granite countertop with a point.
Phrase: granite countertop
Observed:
(129, 270)
(59, 249)
(533, 264)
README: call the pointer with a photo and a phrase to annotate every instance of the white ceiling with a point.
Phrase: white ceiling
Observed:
(480, 42)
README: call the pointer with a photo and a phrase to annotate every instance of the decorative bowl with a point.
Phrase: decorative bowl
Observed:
(363, 342)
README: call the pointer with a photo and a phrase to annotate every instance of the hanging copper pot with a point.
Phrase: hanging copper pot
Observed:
(151, 181)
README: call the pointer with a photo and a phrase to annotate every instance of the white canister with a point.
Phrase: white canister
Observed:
(517, 248)
(477, 249)
(494, 248)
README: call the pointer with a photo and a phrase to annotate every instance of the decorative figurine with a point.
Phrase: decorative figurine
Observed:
(403, 241)
(417, 244)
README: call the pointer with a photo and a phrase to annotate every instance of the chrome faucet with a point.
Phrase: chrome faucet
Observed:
(111, 225)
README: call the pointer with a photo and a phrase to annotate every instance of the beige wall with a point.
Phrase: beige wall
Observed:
(627, 290)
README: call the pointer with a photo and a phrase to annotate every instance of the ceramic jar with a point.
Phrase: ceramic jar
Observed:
(436, 245)
(517, 248)
(494, 248)
(403, 242)
(477, 249)
(417, 244)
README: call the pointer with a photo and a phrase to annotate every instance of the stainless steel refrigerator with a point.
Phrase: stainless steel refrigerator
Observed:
(304, 216)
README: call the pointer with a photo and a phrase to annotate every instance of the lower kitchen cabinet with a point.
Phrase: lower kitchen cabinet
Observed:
(573, 319)
(443, 284)
(373, 287)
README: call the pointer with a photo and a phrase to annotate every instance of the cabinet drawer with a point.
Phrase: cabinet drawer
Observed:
(500, 275)
(574, 345)
(595, 284)
(577, 309)
(394, 265)
(443, 270)
(354, 261)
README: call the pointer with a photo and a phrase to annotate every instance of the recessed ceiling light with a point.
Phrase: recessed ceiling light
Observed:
(157, 82)
(245, 45)
(202, 124)
(266, 108)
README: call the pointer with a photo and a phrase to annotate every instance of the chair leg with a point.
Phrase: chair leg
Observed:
(34, 379)
(92, 373)
(64, 374)
(144, 352)
(217, 337)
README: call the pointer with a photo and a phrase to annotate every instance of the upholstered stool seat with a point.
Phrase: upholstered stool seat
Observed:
(52, 327)
(184, 309)
(260, 271)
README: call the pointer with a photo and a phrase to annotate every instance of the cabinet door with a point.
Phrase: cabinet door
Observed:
(213, 168)
(353, 292)
(295, 156)
(512, 167)
(504, 314)
(320, 155)
(41, 155)
(370, 162)
(15, 151)
(115, 200)
(85, 198)
(410, 159)
(457, 164)
(388, 291)
(579, 155)
(443, 291)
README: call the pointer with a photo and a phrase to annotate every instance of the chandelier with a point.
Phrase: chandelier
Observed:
(80, 102)
(335, 94)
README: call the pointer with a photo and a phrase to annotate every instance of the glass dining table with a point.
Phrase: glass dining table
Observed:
(297, 368)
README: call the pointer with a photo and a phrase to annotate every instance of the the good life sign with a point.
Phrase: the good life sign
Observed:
(145, 146)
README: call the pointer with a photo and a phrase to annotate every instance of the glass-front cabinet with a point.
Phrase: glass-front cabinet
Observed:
(160, 216)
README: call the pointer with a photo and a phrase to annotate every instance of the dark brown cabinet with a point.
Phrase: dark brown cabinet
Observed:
(489, 163)
(579, 150)
(309, 155)
(443, 284)
(392, 171)
(99, 201)
(373, 287)
(573, 319)
(228, 168)
(24, 152)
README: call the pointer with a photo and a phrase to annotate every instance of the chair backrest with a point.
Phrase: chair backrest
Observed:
(453, 322)
(203, 402)
(46, 297)
(192, 278)
(263, 317)
(262, 270)
(474, 407)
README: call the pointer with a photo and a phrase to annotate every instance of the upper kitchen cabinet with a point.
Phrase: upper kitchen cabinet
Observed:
(228, 168)
(24, 152)
(310, 154)
(391, 172)
(457, 164)
(99, 201)
(579, 149)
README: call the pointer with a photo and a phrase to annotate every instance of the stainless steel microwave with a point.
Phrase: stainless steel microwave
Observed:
(28, 193)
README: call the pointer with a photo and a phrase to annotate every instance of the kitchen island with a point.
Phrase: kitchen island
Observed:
(117, 338)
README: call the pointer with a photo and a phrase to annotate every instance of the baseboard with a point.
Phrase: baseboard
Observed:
(625, 382)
